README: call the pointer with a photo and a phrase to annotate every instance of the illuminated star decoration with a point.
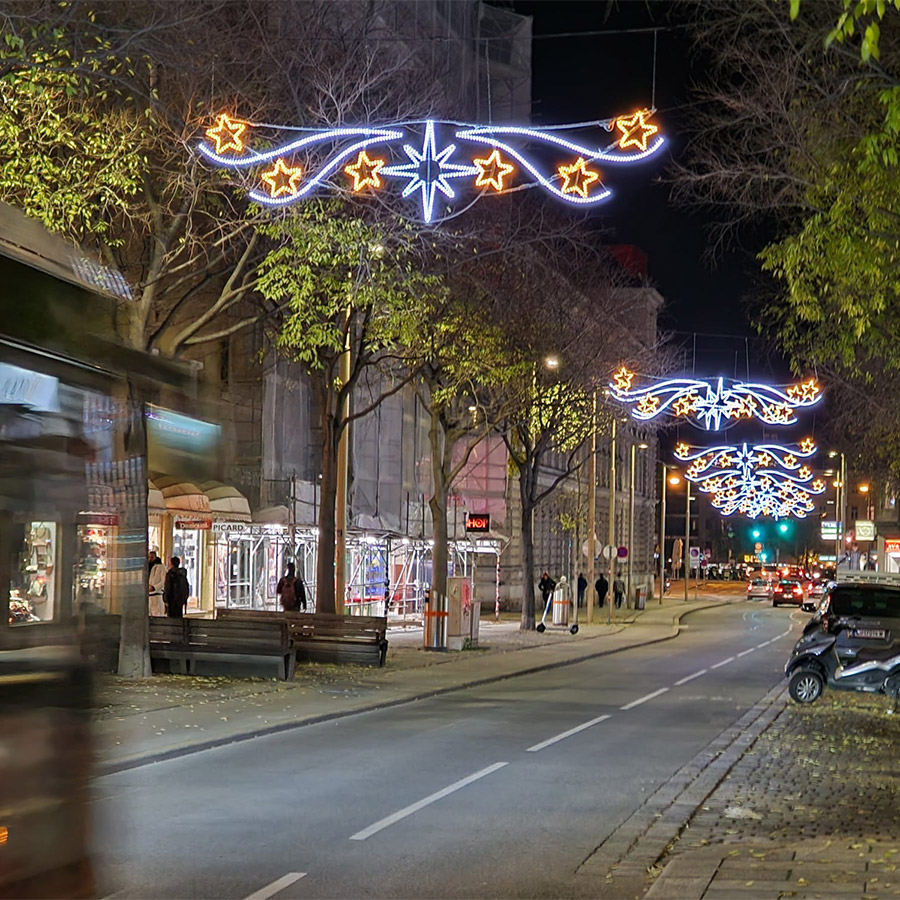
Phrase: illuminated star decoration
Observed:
(282, 179)
(430, 165)
(492, 171)
(714, 404)
(578, 178)
(635, 130)
(765, 480)
(364, 171)
(227, 133)
(429, 171)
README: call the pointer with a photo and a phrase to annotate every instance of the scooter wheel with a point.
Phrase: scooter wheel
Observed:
(574, 629)
(540, 628)
(806, 686)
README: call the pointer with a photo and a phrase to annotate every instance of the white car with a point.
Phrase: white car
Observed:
(759, 589)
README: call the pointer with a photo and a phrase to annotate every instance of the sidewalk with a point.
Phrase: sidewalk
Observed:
(170, 715)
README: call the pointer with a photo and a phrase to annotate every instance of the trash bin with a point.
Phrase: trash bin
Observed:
(640, 597)
(561, 604)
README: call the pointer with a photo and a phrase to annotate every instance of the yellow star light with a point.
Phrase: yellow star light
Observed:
(648, 404)
(493, 171)
(764, 459)
(807, 445)
(623, 379)
(227, 133)
(804, 472)
(725, 461)
(364, 171)
(818, 485)
(790, 460)
(684, 406)
(578, 177)
(282, 179)
(635, 130)
(682, 450)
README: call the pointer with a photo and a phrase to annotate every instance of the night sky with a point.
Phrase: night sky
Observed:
(583, 78)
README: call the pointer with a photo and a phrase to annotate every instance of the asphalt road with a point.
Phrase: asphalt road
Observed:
(496, 791)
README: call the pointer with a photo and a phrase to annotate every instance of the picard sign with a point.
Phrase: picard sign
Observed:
(478, 523)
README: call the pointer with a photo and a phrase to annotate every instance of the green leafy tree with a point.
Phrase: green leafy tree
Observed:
(349, 286)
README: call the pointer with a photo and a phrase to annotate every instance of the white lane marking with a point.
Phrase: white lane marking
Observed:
(723, 663)
(565, 734)
(763, 644)
(270, 890)
(745, 652)
(638, 702)
(691, 677)
(421, 804)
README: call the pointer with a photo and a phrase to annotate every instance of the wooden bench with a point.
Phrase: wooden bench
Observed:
(321, 637)
(189, 641)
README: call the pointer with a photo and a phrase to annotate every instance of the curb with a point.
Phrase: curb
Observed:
(175, 752)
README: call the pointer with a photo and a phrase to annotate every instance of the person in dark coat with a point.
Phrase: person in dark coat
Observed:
(582, 587)
(601, 586)
(287, 589)
(618, 590)
(546, 586)
(176, 589)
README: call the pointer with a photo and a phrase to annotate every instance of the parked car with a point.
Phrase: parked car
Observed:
(852, 643)
(759, 589)
(787, 591)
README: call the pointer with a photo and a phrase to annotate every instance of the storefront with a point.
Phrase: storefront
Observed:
(889, 551)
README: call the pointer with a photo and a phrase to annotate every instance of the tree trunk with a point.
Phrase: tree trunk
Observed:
(325, 600)
(525, 495)
(438, 506)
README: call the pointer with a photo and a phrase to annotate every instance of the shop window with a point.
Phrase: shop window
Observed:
(186, 545)
(32, 590)
(92, 564)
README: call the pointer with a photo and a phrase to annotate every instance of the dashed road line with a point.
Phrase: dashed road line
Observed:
(745, 652)
(691, 677)
(644, 699)
(724, 662)
(565, 734)
(426, 801)
(270, 890)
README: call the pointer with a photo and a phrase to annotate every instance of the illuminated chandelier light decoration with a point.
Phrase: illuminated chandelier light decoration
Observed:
(762, 480)
(429, 159)
(714, 404)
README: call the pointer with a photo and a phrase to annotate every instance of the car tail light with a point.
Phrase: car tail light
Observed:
(749, 586)
(779, 589)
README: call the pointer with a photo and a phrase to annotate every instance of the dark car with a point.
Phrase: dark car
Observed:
(867, 615)
(787, 591)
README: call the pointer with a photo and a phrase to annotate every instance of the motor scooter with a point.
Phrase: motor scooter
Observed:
(815, 663)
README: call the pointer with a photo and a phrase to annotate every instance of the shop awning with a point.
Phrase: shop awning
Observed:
(226, 502)
(181, 496)
(273, 515)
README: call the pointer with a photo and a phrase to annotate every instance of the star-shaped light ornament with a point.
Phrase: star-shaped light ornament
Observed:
(282, 179)
(492, 171)
(635, 130)
(578, 178)
(429, 171)
(623, 379)
(805, 392)
(807, 445)
(364, 171)
(648, 404)
(228, 134)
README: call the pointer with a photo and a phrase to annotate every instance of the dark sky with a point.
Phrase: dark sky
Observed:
(583, 78)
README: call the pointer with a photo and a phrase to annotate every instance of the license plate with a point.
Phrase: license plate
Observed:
(878, 634)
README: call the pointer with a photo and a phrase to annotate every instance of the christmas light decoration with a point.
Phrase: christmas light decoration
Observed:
(440, 157)
(493, 171)
(282, 179)
(714, 404)
(364, 171)
(765, 480)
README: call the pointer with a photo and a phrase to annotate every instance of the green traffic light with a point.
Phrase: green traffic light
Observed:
(783, 527)
(755, 534)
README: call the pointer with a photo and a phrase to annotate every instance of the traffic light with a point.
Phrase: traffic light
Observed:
(756, 533)
(783, 527)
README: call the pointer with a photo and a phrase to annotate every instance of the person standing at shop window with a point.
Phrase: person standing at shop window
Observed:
(156, 583)
(176, 590)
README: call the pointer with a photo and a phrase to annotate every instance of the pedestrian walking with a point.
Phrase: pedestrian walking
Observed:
(601, 586)
(582, 587)
(156, 583)
(289, 588)
(176, 589)
(618, 591)
(546, 586)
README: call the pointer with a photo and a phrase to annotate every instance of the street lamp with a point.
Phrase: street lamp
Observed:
(840, 504)
(634, 449)
(673, 478)
(687, 537)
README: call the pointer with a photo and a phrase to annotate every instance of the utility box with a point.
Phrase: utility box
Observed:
(464, 614)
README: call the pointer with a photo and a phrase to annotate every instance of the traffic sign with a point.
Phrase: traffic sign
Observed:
(608, 552)
(622, 552)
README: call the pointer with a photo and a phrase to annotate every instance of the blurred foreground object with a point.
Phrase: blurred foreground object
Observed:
(46, 759)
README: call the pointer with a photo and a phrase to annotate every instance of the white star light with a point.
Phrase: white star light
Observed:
(429, 170)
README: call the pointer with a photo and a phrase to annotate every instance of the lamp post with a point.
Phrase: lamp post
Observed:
(840, 498)
(630, 569)
(674, 480)
(687, 537)
(611, 534)
(592, 514)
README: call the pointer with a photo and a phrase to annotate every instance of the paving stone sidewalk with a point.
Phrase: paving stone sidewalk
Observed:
(810, 810)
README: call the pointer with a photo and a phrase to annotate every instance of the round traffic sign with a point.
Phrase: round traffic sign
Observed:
(622, 552)
(608, 552)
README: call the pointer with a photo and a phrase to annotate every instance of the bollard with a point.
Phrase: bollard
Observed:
(435, 621)
(561, 604)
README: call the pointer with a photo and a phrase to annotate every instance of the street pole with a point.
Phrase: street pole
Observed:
(592, 515)
(612, 518)
(687, 536)
(343, 460)
(630, 557)
(843, 506)
(662, 538)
